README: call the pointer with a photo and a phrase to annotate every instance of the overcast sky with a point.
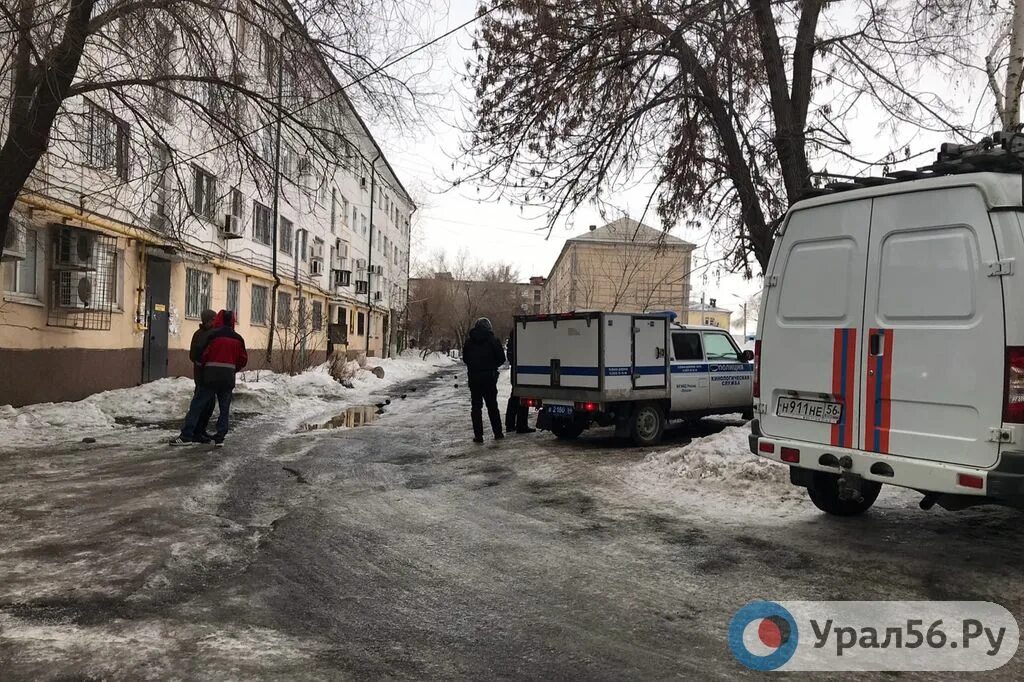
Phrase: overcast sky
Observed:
(456, 219)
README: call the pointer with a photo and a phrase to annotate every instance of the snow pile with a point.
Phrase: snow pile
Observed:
(723, 457)
(167, 400)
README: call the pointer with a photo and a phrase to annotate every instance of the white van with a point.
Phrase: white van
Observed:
(634, 371)
(891, 339)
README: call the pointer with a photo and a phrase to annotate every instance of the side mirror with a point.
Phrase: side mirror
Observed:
(747, 356)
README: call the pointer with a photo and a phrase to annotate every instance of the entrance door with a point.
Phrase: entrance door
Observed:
(158, 300)
(933, 329)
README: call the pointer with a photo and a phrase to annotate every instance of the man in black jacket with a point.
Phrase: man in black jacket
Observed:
(483, 355)
(195, 351)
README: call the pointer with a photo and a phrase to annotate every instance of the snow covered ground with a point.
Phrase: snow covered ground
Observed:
(119, 413)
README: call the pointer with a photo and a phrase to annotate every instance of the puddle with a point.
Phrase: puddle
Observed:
(361, 415)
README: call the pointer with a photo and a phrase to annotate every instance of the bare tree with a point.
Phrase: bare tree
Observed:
(300, 337)
(725, 107)
(137, 89)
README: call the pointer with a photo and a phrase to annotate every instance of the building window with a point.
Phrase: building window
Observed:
(360, 324)
(262, 223)
(364, 224)
(161, 184)
(237, 203)
(20, 276)
(284, 309)
(197, 293)
(334, 211)
(344, 213)
(284, 239)
(204, 193)
(106, 140)
(355, 219)
(318, 316)
(362, 286)
(234, 289)
(268, 59)
(258, 305)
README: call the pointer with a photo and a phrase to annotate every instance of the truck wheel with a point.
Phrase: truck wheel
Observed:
(566, 430)
(824, 493)
(647, 424)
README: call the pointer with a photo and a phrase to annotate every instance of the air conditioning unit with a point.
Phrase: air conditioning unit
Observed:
(232, 227)
(14, 242)
(342, 278)
(316, 266)
(75, 249)
(316, 250)
(74, 290)
(360, 264)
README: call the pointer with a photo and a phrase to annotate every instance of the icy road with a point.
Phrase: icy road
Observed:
(401, 549)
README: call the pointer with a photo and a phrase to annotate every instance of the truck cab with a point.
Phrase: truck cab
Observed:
(634, 371)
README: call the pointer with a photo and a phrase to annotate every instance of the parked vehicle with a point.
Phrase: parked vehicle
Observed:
(633, 371)
(891, 336)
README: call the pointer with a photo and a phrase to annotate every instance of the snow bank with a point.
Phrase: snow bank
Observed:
(724, 456)
(167, 400)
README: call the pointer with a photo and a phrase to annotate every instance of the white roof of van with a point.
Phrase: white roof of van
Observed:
(999, 189)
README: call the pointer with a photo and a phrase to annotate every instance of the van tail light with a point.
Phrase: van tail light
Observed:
(587, 407)
(530, 402)
(791, 455)
(766, 447)
(1013, 392)
(970, 481)
(757, 368)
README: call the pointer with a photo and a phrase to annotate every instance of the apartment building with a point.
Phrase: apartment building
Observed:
(114, 256)
(624, 266)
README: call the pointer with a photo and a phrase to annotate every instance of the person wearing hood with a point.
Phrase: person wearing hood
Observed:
(195, 351)
(222, 355)
(483, 355)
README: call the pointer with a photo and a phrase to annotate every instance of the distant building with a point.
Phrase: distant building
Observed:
(622, 266)
(708, 313)
(533, 296)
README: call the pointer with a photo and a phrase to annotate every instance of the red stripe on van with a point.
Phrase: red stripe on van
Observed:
(837, 377)
(851, 375)
(870, 388)
(887, 360)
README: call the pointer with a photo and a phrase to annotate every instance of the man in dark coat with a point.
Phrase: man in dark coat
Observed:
(222, 356)
(195, 351)
(483, 355)
(517, 415)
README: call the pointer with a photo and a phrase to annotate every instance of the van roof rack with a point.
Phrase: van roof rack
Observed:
(1001, 152)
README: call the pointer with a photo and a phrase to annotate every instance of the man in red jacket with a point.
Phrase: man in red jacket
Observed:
(222, 355)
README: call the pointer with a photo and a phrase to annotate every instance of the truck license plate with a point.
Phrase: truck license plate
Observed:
(810, 410)
(560, 410)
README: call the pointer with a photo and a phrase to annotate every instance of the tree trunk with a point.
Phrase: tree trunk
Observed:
(1014, 68)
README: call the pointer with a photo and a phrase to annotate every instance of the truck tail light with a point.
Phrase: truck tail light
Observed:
(970, 481)
(757, 368)
(587, 407)
(1013, 391)
(531, 402)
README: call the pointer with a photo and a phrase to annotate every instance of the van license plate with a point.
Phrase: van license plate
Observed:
(559, 410)
(810, 410)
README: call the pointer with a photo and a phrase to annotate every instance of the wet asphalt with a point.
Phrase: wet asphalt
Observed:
(402, 550)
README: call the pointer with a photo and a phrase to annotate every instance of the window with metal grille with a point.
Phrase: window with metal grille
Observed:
(204, 193)
(284, 309)
(85, 279)
(234, 290)
(197, 293)
(258, 305)
(106, 140)
(262, 223)
(284, 239)
(318, 316)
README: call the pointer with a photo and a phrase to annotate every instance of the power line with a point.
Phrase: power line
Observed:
(282, 117)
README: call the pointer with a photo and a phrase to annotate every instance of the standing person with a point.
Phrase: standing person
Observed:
(483, 355)
(517, 415)
(195, 352)
(222, 356)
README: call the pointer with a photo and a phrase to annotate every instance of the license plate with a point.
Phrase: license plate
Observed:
(560, 410)
(810, 410)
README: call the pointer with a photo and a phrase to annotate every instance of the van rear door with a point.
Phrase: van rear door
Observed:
(813, 312)
(933, 325)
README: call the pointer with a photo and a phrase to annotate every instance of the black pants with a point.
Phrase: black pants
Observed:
(517, 415)
(483, 388)
(204, 418)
